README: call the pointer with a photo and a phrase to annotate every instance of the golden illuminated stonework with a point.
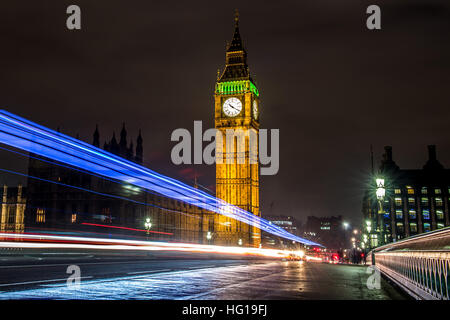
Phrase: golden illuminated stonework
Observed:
(237, 179)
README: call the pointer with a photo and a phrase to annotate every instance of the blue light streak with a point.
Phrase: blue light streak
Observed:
(26, 135)
(94, 192)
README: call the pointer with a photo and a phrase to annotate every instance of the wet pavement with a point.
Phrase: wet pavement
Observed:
(204, 280)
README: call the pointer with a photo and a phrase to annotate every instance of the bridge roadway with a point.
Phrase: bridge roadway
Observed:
(113, 277)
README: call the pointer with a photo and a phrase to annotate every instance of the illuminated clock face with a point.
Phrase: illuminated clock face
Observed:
(255, 109)
(232, 107)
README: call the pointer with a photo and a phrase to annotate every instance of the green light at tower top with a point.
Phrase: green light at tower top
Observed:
(236, 87)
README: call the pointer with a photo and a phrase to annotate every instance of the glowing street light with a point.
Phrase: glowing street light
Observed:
(240, 242)
(381, 191)
(346, 225)
(209, 235)
(148, 225)
(368, 225)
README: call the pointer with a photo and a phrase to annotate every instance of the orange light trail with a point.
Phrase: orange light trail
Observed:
(15, 240)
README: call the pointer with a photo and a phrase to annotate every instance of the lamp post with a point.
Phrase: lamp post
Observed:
(369, 231)
(147, 225)
(345, 225)
(364, 240)
(380, 193)
(209, 237)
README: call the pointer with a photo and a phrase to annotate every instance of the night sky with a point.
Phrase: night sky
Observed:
(329, 84)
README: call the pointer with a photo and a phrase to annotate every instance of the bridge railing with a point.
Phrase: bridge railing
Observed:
(420, 264)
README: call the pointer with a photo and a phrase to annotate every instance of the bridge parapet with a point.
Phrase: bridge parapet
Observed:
(419, 264)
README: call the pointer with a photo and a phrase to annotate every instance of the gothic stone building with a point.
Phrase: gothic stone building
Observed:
(12, 209)
(236, 107)
(63, 198)
(415, 201)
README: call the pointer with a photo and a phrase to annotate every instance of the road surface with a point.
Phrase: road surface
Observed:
(138, 278)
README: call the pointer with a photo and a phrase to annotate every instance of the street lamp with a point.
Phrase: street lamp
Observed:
(209, 236)
(368, 225)
(345, 225)
(380, 193)
(148, 225)
(240, 242)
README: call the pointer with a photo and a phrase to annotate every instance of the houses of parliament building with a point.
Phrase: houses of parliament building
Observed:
(63, 198)
(415, 200)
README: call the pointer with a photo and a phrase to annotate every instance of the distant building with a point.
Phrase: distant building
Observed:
(328, 231)
(288, 223)
(13, 208)
(409, 202)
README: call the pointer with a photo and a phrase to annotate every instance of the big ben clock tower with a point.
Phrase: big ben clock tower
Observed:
(237, 178)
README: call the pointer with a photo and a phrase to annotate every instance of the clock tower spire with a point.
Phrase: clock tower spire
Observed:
(237, 171)
(236, 67)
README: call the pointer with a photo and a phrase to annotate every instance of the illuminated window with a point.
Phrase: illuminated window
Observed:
(424, 201)
(426, 214)
(398, 191)
(411, 201)
(400, 227)
(413, 227)
(398, 201)
(410, 189)
(438, 202)
(399, 214)
(74, 217)
(426, 227)
(440, 225)
(424, 190)
(40, 215)
(437, 191)
(440, 214)
(412, 214)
